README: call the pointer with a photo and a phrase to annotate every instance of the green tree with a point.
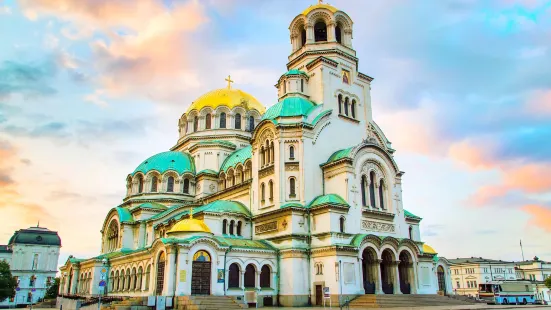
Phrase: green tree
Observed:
(548, 282)
(52, 289)
(7, 282)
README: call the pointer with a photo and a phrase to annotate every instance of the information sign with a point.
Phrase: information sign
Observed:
(101, 283)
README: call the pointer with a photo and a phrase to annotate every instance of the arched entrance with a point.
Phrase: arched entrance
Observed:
(387, 277)
(201, 273)
(441, 279)
(369, 270)
(161, 262)
(405, 271)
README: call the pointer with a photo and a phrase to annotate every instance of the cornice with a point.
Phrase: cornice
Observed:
(376, 214)
(279, 212)
(287, 237)
(365, 77)
(213, 137)
(322, 52)
(226, 191)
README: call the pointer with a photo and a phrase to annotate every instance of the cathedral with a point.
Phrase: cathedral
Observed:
(293, 202)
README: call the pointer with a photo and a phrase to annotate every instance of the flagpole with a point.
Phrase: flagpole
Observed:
(521, 250)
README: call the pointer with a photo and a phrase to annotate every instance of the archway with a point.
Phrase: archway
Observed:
(441, 279)
(201, 273)
(369, 270)
(161, 262)
(387, 277)
(405, 271)
(320, 32)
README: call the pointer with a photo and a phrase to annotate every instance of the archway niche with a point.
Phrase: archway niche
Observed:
(387, 272)
(370, 270)
(405, 270)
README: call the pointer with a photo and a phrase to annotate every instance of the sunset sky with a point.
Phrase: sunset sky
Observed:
(90, 88)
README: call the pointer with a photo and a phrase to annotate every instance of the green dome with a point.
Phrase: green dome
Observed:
(163, 162)
(294, 72)
(239, 156)
(227, 206)
(35, 235)
(329, 199)
(288, 107)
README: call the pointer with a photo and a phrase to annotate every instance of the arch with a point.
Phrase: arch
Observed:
(405, 271)
(128, 279)
(154, 183)
(208, 121)
(140, 184)
(233, 276)
(113, 236)
(222, 120)
(147, 277)
(232, 224)
(262, 192)
(346, 106)
(363, 190)
(271, 189)
(251, 123)
(353, 108)
(292, 187)
(441, 274)
(237, 121)
(224, 226)
(320, 31)
(170, 184)
(338, 33)
(140, 278)
(382, 194)
(250, 276)
(342, 222)
(265, 275)
(291, 152)
(369, 269)
(195, 124)
(201, 273)
(239, 224)
(186, 186)
(117, 281)
(134, 279)
(372, 199)
(161, 262)
(387, 272)
(340, 103)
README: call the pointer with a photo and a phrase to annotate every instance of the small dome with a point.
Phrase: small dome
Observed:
(35, 235)
(190, 225)
(239, 156)
(289, 107)
(227, 97)
(162, 162)
(427, 249)
(320, 6)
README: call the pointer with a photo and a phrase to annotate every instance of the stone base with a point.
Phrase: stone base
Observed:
(335, 299)
(293, 300)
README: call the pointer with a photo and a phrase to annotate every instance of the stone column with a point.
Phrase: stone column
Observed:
(331, 32)
(309, 33)
(378, 274)
(242, 279)
(257, 280)
(361, 261)
(74, 280)
(377, 198)
(413, 278)
(396, 277)
(170, 271)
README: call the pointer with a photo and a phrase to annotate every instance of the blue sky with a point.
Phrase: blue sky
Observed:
(88, 89)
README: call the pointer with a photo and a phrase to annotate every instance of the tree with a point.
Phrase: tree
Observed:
(548, 282)
(52, 290)
(7, 282)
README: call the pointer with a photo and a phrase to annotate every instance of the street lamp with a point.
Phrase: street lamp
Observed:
(103, 272)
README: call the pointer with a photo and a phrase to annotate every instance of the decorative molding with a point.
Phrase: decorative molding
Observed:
(292, 166)
(319, 132)
(266, 227)
(266, 171)
(376, 214)
(365, 77)
(378, 226)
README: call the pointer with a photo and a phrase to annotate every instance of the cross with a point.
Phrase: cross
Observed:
(191, 213)
(355, 192)
(229, 80)
(320, 1)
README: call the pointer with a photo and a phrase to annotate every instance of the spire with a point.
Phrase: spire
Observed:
(229, 80)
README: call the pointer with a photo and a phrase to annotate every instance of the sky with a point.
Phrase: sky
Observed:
(90, 88)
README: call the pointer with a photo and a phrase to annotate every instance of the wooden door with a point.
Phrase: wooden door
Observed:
(319, 295)
(200, 278)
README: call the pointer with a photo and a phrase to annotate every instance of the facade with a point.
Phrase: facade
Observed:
(282, 201)
(33, 254)
(536, 271)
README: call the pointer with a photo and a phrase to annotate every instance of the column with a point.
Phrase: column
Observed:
(396, 277)
(309, 33)
(377, 265)
(331, 32)
(362, 279)
(242, 279)
(170, 271)
(257, 280)
(413, 276)
(74, 281)
(377, 199)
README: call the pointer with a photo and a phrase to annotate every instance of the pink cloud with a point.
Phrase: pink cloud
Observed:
(540, 103)
(540, 216)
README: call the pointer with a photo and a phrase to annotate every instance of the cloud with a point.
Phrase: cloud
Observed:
(27, 79)
(540, 216)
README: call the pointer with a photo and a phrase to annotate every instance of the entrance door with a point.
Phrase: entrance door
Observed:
(404, 272)
(319, 295)
(368, 264)
(441, 280)
(386, 272)
(201, 274)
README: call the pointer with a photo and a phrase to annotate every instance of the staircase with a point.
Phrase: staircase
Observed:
(394, 301)
(207, 302)
(132, 303)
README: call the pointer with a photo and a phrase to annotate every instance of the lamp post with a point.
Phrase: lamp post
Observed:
(63, 276)
(103, 273)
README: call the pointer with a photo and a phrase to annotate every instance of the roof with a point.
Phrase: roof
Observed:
(5, 249)
(227, 97)
(289, 107)
(218, 206)
(410, 215)
(190, 225)
(295, 72)
(171, 160)
(291, 205)
(329, 199)
(150, 205)
(224, 241)
(340, 154)
(124, 214)
(319, 6)
(427, 249)
(477, 260)
(216, 142)
(239, 156)
(35, 235)
(207, 171)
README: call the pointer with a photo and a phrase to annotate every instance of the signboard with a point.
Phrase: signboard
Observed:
(326, 293)
(161, 303)
(101, 283)
(183, 275)
(33, 290)
(220, 275)
(103, 270)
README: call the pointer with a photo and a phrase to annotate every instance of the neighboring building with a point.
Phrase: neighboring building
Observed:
(536, 271)
(468, 273)
(33, 255)
(285, 201)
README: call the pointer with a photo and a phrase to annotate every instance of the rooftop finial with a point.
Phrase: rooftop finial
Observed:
(229, 80)
(320, 1)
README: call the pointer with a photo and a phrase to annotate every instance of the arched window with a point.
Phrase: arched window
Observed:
(170, 184)
(237, 121)
(346, 106)
(128, 279)
(268, 152)
(292, 190)
(372, 189)
(262, 192)
(265, 276)
(353, 108)
(195, 124)
(222, 120)
(340, 104)
(112, 236)
(271, 189)
(140, 184)
(250, 275)
(111, 282)
(140, 278)
(134, 279)
(233, 277)
(410, 232)
(160, 273)
(186, 186)
(208, 120)
(239, 228)
(291, 152)
(272, 152)
(341, 224)
(301, 85)
(320, 32)
(284, 88)
(381, 195)
(262, 159)
(302, 37)
(232, 224)
(147, 277)
(224, 227)
(338, 34)
(251, 123)
(362, 186)
(154, 182)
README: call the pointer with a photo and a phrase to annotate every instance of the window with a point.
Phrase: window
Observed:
(271, 189)
(410, 233)
(302, 85)
(353, 108)
(35, 262)
(250, 275)
(302, 37)
(147, 276)
(284, 88)
(346, 106)
(265, 276)
(457, 284)
(262, 192)
(340, 104)
(222, 120)
(170, 184)
(341, 224)
(362, 187)
(239, 228)
(154, 182)
(186, 186)
(232, 223)
(224, 226)
(233, 277)
(292, 190)
(372, 189)
(237, 121)
(291, 152)
(381, 194)
(251, 123)
(208, 120)
(140, 184)
(338, 35)
(320, 32)
(195, 124)
(32, 279)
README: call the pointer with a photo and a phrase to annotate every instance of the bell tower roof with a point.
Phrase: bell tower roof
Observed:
(320, 5)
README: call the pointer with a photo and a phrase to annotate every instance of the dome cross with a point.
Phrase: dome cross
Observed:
(191, 213)
(229, 80)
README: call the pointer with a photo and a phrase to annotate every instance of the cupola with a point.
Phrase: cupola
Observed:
(189, 225)
(292, 82)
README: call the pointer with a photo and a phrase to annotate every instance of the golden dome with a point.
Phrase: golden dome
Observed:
(190, 225)
(227, 97)
(320, 6)
(428, 249)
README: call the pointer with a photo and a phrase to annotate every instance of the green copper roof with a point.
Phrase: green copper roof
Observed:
(35, 235)
(223, 241)
(322, 114)
(329, 199)
(167, 211)
(410, 215)
(339, 155)
(124, 214)
(162, 162)
(207, 171)
(239, 156)
(295, 72)
(219, 206)
(288, 107)
(214, 142)
(150, 205)
(291, 205)
(121, 252)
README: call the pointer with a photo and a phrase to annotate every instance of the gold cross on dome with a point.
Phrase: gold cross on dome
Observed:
(229, 80)
(320, 1)
(191, 213)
